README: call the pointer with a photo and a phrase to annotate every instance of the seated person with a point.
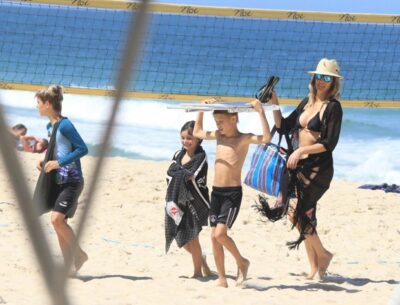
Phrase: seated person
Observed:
(33, 144)
(18, 130)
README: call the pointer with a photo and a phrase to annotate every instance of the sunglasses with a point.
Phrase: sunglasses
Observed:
(326, 78)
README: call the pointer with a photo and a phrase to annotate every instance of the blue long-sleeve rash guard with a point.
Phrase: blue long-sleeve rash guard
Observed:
(69, 148)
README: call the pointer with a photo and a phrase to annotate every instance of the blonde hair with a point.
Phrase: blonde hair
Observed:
(54, 95)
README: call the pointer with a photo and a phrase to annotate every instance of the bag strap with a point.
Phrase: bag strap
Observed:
(50, 150)
(287, 138)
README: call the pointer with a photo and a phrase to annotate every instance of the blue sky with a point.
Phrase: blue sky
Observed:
(353, 6)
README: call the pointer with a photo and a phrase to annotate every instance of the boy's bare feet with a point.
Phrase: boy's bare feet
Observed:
(323, 264)
(204, 268)
(242, 272)
(222, 283)
(80, 259)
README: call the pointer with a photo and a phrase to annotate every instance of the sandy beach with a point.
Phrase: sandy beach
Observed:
(127, 264)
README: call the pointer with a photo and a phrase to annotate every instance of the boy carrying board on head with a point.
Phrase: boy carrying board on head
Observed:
(226, 196)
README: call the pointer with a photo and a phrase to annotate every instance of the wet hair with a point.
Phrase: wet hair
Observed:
(20, 127)
(189, 126)
(333, 92)
(53, 95)
(226, 112)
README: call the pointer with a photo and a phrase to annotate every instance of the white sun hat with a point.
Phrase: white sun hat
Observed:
(327, 67)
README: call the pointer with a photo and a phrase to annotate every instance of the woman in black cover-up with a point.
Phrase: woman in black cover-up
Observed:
(314, 128)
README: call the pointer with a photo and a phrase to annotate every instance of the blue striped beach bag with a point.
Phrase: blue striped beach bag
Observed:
(268, 168)
(268, 174)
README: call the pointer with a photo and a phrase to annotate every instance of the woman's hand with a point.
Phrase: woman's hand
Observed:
(274, 98)
(51, 165)
(294, 159)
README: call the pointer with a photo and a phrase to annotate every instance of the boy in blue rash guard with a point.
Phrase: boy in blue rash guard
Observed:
(69, 148)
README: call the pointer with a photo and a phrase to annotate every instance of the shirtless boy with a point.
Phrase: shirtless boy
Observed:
(226, 196)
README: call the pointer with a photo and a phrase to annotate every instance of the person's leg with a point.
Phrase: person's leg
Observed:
(312, 258)
(221, 235)
(66, 239)
(218, 252)
(204, 266)
(318, 256)
(63, 246)
(324, 257)
(65, 205)
(193, 247)
(311, 252)
(80, 258)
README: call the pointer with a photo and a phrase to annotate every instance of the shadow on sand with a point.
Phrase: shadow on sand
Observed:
(304, 287)
(331, 282)
(211, 277)
(87, 278)
(338, 279)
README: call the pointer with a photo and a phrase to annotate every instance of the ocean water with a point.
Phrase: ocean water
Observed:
(368, 150)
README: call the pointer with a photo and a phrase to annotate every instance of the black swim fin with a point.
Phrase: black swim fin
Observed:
(265, 92)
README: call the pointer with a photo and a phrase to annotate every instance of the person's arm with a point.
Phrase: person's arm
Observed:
(277, 113)
(25, 143)
(198, 130)
(284, 125)
(308, 149)
(79, 148)
(266, 136)
(175, 169)
(330, 134)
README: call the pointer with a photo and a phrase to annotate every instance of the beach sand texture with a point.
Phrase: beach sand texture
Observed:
(124, 239)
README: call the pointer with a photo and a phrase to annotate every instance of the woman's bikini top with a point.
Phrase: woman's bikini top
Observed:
(313, 124)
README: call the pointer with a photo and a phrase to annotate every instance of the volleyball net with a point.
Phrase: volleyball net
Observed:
(186, 53)
(192, 52)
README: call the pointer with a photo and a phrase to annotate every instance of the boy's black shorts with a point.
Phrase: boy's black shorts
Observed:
(225, 205)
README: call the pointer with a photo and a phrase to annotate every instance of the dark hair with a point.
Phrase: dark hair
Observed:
(45, 143)
(189, 126)
(53, 95)
(20, 127)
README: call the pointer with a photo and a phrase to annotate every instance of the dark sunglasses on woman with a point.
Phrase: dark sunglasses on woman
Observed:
(326, 78)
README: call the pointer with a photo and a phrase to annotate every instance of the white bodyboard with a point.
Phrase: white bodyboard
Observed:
(228, 106)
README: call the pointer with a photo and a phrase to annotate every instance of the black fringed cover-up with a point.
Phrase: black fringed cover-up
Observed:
(311, 179)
